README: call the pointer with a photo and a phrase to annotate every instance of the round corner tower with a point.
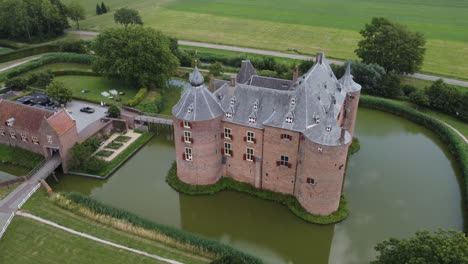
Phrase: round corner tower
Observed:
(197, 125)
(351, 103)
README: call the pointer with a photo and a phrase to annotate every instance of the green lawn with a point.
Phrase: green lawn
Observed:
(418, 83)
(58, 67)
(6, 190)
(4, 50)
(27, 241)
(96, 85)
(19, 157)
(305, 25)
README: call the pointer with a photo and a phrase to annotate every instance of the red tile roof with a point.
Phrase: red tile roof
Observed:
(27, 118)
(61, 122)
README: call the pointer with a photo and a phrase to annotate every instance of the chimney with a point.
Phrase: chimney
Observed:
(233, 81)
(319, 57)
(342, 136)
(212, 84)
(295, 74)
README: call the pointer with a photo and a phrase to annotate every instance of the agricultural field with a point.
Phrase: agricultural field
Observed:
(304, 25)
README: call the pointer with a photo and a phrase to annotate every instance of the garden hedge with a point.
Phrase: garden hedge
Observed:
(456, 145)
(19, 96)
(139, 97)
(75, 73)
(26, 52)
(197, 241)
(286, 199)
(46, 59)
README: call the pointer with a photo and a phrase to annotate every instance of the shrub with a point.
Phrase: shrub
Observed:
(41, 79)
(305, 66)
(140, 96)
(216, 69)
(77, 46)
(390, 86)
(444, 97)
(419, 97)
(338, 70)
(408, 89)
(74, 72)
(113, 111)
(93, 143)
(18, 83)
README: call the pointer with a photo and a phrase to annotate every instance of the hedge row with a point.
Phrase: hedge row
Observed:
(47, 59)
(197, 241)
(26, 52)
(19, 96)
(286, 199)
(139, 97)
(74, 72)
(451, 139)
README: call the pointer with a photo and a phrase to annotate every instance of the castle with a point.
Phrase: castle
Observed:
(280, 135)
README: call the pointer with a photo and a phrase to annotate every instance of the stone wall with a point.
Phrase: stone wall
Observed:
(351, 108)
(205, 168)
(276, 177)
(325, 169)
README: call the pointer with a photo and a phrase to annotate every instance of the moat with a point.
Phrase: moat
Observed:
(402, 180)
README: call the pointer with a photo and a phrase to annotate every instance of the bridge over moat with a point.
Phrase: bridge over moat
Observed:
(21, 194)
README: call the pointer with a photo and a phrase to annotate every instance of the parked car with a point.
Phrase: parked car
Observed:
(87, 109)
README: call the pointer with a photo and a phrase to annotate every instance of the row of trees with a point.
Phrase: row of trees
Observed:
(101, 9)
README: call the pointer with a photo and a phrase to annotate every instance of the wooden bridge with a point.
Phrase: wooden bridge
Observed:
(149, 118)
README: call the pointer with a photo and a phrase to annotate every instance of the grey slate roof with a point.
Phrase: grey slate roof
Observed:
(268, 82)
(347, 81)
(196, 102)
(246, 71)
(310, 106)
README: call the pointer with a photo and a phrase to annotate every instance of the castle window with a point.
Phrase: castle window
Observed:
(228, 114)
(2, 131)
(284, 161)
(188, 154)
(187, 137)
(233, 100)
(251, 137)
(351, 97)
(227, 133)
(310, 181)
(227, 149)
(328, 129)
(190, 109)
(24, 137)
(320, 149)
(289, 120)
(317, 120)
(187, 124)
(250, 154)
(255, 106)
(49, 139)
(286, 136)
(252, 120)
(12, 134)
(293, 101)
(35, 140)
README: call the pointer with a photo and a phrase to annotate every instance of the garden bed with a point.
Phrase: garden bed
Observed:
(114, 145)
(104, 153)
(122, 139)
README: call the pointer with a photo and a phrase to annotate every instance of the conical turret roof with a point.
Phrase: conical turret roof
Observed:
(347, 81)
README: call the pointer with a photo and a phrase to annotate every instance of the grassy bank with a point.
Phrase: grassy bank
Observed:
(19, 157)
(6, 190)
(27, 241)
(305, 26)
(452, 140)
(229, 184)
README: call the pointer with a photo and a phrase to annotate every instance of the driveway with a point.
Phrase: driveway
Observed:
(84, 119)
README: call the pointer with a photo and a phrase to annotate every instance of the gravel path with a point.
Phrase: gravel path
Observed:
(18, 63)
(102, 241)
(456, 131)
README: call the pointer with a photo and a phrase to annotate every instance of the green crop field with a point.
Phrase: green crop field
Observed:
(305, 25)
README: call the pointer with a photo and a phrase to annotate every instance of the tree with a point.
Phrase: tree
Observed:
(59, 92)
(440, 247)
(104, 8)
(392, 46)
(369, 76)
(17, 83)
(305, 66)
(41, 79)
(419, 97)
(390, 86)
(136, 54)
(216, 69)
(76, 12)
(126, 16)
(113, 111)
(444, 97)
(98, 10)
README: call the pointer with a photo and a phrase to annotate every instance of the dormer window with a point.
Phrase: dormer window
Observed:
(12, 134)
(255, 106)
(252, 120)
(293, 101)
(328, 129)
(318, 98)
(317, 120)
(289, 120)
(233, 100)
(228, 114)
(10, 122)
(190, 109)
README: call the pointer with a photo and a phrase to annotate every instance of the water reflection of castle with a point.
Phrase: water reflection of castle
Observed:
(280, 135)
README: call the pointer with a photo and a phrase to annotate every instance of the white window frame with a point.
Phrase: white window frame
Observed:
(24, 137)
(328, 129)
(188, 154)
(252, 120)
(250, 154)
(227, 149)
(284, 160)
(289, 120)
(2, 131)
(228, 115)
(187, 124)
(188, 137)
(12, 134)
(227, 133)
(49, 139)
(320, 149)
(35, 140)
(250, 136)
(287, 137)
(317, 120)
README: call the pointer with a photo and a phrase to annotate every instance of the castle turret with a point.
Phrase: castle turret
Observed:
(197, 125)
(353, 92)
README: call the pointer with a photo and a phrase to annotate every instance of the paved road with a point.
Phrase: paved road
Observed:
(102, 241)
(21, 194)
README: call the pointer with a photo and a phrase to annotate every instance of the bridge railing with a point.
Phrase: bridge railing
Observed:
(156, 115)
(31, 173)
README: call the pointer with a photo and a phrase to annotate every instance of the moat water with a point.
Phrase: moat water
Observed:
(401, 181)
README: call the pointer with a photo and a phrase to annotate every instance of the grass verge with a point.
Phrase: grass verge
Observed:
(6, 190)
(229, 184)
